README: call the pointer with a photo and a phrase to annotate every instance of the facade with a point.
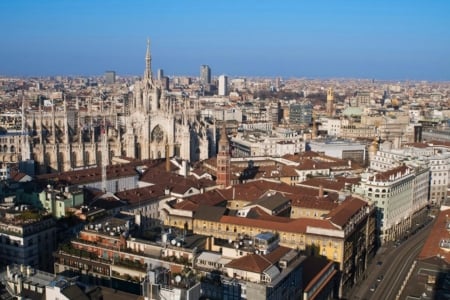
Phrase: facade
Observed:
(205, 75)
(277, 144)
(398, 193)
(331, 125)
(437, 159)
(300, 113)
(268, 276)
(27, 239)
(345, 235)
(68, 137)
(223, 85)
(343, 149)
(110, 77)
(60, 202)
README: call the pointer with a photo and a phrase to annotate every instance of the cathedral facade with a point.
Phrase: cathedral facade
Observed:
(153, 124)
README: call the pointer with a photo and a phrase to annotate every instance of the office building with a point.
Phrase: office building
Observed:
(205, 75)
(223, 85)
(110, 77)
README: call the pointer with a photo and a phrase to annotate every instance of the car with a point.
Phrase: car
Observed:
(379, 263)
(380, 278)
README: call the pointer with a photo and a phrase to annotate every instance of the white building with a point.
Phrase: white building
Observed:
(398, 194)
(245, 145)
(331, 125)
(223, 85)
(343, 149)
(435, 157)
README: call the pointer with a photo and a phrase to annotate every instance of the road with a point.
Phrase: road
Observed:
(393, 264)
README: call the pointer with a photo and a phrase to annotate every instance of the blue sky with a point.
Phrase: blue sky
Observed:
(396, 40)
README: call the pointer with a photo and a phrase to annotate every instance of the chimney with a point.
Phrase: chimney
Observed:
(320, 191)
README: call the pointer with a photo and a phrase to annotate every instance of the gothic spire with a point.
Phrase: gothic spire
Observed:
(148, 62)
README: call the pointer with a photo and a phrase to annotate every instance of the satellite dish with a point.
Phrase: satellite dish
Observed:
(173, 242)
(178, 279)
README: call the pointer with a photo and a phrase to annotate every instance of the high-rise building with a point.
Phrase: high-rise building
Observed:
(223, 85)
(205, 74)
(160, 74)
(110, 77)
(300, 113)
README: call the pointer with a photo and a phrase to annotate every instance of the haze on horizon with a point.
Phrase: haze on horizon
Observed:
(387, 40)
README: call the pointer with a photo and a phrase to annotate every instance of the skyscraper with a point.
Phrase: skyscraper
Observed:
(110, 77)
(223, 85)
(160, 74)
(205, 74)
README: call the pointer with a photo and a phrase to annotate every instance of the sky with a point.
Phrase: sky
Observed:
(389, 40)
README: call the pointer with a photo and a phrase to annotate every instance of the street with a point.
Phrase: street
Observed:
(388, 269)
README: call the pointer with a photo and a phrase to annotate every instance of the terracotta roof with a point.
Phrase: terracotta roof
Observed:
(211, 198)
(417, 145)
(309, 201)
(209, 213)
(134, 196)
(186, 204)
(383, 176)
(251, 263)
(271, 200)
(257, 263)
(438, 143)
(91, 175)
(346, 210)
(161, 179)
(438, 233)
(326, 183)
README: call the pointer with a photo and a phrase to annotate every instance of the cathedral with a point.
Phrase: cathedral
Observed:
(153, 124)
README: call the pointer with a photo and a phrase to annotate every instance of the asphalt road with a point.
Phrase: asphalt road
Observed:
(389, 268)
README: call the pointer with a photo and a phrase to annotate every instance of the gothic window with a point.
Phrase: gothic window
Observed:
(157, 134)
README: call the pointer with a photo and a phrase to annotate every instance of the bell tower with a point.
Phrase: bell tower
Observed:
(330, 102)
(223, 160)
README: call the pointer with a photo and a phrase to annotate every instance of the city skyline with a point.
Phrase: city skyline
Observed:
(405, 40)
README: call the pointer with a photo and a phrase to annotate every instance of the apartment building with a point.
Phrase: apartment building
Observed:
(27, 238)
(399, 194)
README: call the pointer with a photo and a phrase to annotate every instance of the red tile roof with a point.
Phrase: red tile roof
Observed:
(346, 210)
(438, 233)
(257, 263)
(384, 176)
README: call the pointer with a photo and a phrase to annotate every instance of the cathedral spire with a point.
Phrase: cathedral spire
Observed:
(148, 62)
